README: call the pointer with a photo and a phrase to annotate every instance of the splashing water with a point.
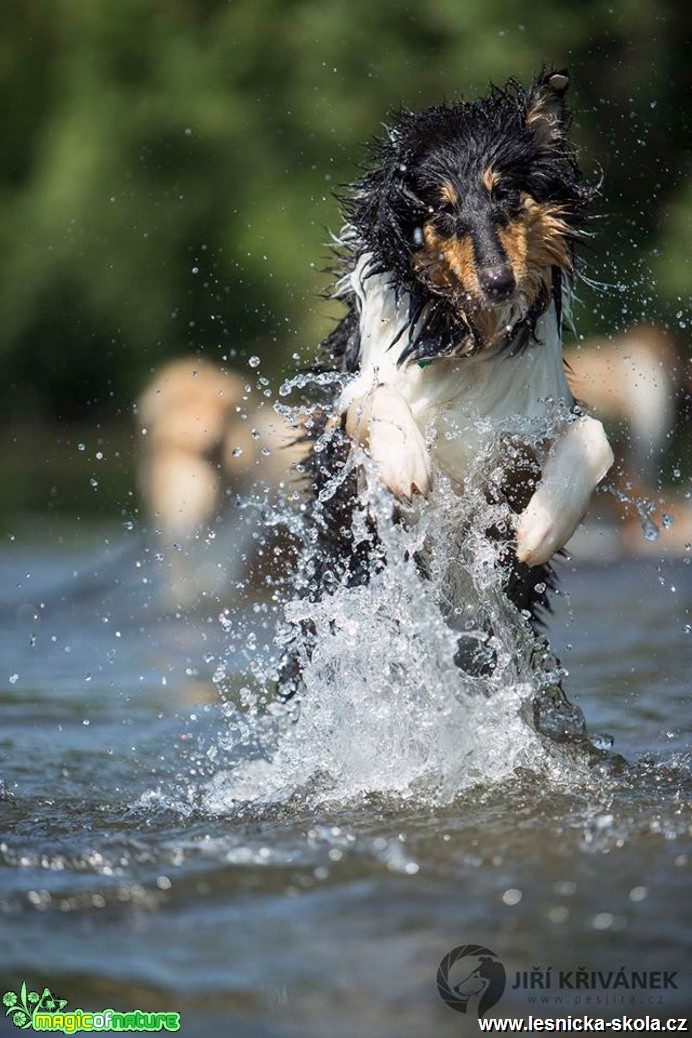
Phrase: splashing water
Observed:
(645, 508)
(384, 706)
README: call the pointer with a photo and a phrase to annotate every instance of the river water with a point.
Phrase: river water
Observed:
(157, 851)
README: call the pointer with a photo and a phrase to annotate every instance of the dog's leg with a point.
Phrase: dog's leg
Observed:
(382, 422)
(577, 462)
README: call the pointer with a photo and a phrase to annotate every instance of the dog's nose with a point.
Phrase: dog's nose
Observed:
(498, 283)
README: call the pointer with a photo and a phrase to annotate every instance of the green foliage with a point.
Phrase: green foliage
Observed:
(167, 172)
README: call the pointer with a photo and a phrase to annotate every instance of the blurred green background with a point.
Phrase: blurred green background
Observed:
(166, 179)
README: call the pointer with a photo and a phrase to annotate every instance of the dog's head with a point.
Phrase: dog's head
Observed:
(477, 205)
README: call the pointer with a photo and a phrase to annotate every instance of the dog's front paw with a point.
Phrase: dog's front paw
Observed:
(540, 534)
(402, 459)
(577, 462)
(383, 423)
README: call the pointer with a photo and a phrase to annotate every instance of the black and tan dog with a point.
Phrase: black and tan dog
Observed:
(456, 268)
(457, 263)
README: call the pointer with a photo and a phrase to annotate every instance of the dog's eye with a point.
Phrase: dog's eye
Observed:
(445, 221)
(505, 194)
(447, 209)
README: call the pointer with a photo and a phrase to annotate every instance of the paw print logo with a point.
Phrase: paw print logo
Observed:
(21, 1007)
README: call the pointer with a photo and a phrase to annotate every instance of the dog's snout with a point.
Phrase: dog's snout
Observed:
(498, 283)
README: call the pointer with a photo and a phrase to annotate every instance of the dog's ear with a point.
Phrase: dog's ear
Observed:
(545, 106)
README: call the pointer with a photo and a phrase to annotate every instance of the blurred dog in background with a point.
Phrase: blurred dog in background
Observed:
(632, 383)
(204, 449)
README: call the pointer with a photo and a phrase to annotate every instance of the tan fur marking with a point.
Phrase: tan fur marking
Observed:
(487, 322)
(534, 243)
(542, 120)
(491, 178)
(513, 241)
(546, 235)
(448, 262)
(448, 193)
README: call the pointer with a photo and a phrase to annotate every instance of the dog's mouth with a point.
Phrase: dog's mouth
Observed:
(485, 303)
(452, 319)
(457, 325)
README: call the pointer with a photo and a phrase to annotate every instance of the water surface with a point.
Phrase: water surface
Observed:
(142, 869)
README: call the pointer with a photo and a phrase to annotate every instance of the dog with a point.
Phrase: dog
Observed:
(635, 383)
(204, 449)
(456, 268)
(630, 382)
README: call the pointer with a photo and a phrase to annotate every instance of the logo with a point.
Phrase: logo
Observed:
(46, 1012)
(471, 976)
(26, 1004)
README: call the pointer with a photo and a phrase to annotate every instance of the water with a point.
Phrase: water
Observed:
(159, 851)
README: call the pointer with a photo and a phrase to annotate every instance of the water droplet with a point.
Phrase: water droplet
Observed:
(512, 896)
(254, 361)
(649, 528)
(558, 914)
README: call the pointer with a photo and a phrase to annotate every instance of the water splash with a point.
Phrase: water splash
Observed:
(645, 509)
(384, 706)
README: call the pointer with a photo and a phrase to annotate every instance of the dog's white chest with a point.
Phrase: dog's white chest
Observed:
(468, 402)
(461, 403)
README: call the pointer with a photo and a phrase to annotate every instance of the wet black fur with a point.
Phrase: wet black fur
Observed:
(383, 209)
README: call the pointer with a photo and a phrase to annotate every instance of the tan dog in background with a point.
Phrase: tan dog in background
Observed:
(631, 384)
(202, 446)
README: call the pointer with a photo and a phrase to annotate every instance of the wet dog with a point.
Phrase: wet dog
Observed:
(456, 268)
